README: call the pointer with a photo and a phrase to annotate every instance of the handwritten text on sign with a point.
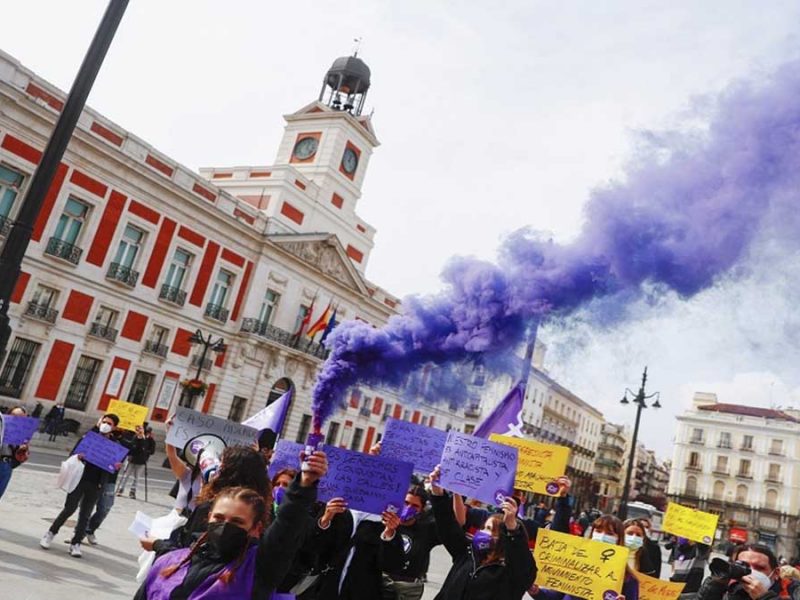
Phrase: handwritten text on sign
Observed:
(539, 465)
(285, 456)
(372, 484)
(189, 423)
(130, 415)
(100, 451)
(417, 444)
(651, 588)
(690, 523)
(579, 567)
(478, 468)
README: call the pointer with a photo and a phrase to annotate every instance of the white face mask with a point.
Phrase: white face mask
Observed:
(634, 542)
(604, 537)
(106, 428)
(761, 578)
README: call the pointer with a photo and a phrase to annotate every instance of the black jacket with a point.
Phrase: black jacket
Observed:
(371, 557)
(276, 548)
(718, 589)
(650, 562)
(333, 546)
(506, 580)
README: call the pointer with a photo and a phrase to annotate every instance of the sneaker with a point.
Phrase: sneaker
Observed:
(132, 495)
(91, 538)
(46, 540)
(75, 550)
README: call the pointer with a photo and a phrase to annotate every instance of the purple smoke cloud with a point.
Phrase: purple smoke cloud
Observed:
(685, 215)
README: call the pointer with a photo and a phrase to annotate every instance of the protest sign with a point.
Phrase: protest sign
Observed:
(578, 566)
(417, 444)
(189, 423)
(100, 451)
(141, 525)
(19, 429)
(285, 456)
(130, 415)
(478, 468)
(538, 466)
(371, 484)
(651, 588)
(690, 523)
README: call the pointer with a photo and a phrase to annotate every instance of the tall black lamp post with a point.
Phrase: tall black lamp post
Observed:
(195, 387)
(20, 234)
(638, 399)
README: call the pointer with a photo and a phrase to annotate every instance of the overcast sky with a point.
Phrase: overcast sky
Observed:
(491, 116)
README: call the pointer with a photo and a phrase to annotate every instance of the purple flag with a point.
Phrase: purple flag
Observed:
(273, 416)
(506, 418)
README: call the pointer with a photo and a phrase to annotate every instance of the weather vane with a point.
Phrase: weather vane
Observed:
(358, 46)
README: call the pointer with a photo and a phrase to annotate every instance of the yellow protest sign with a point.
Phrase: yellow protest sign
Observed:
(130, 415)
(538, 465)
(690, 523)
(651, 588)
(578, 566)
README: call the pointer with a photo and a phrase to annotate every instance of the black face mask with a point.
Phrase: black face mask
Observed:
(227, 539)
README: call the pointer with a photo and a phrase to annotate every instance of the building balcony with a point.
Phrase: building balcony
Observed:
(724, 445)
(216, 312)
(121, 274)
(473, 411)
(697, 441)
(5, 226)
(742, 475)
(773, 479)
(776, 452)
(156, 348)
(696, 468)
(104, 332)
(173, 295)
(284, 338)
(364, 411)
(719, 471)
(746, 449)
(41, 312)
(207, 363)
(63, 250)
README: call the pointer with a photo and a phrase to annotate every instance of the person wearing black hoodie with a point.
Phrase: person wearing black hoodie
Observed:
(495, 565)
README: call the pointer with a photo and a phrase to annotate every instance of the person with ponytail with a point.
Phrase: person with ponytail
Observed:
(638, 556)
(239, 556)
(495, 564)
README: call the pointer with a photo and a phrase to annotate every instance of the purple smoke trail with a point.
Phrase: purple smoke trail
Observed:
(685, 215)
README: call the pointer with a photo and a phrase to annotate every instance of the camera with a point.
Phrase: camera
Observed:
(723, 569)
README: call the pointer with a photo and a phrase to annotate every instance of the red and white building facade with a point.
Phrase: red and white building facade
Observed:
(133, 252)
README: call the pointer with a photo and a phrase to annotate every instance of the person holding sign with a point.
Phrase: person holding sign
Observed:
(11, 455)
(495, 565)
(639, 559)
(239, 556)
(85, 495)
(751, 574)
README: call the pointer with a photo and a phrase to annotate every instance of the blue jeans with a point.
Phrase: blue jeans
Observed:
(104, 504)
(5, 476)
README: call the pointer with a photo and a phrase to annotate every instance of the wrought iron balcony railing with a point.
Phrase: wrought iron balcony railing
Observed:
(172, 294)
(156, 348)
(122, 274)
(216, 312)
(42, 312)
(284, 338)
(63, 250)
(104, 332)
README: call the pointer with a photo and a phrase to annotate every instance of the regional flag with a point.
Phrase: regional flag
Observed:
(306, 320)
(321, 324)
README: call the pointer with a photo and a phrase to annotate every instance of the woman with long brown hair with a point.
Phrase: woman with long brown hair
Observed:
(238, 556)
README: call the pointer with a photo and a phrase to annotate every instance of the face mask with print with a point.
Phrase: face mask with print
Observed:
(604, 537)
(481, 543)
(634, 542)
(106, 428)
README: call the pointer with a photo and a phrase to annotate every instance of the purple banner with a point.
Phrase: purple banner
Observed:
(19, 430)
(285, 456)
(417, 444)
(371, 484)
(100, 451)
(478, 468)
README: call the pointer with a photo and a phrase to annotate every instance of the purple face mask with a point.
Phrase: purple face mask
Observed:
(408, 513)
(277, 494)
(481, 543)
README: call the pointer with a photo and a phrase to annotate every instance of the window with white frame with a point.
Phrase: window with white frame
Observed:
(178, 268)
(106, 316)
(140, 388)
(10, 185)
(221, 289)
(268, 307)
(44, 296)
(71, 222)
(129, 246)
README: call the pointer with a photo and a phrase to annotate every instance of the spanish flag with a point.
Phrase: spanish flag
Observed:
(321, 324)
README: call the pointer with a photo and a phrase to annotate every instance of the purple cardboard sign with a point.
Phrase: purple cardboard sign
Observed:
(417, 444)
(478, 468)
(19, 430)
(100, 451)
(285, 456)
(371, 484)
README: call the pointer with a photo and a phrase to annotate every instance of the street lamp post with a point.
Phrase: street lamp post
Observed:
(20, 235)
(638, 399)
(218, 345)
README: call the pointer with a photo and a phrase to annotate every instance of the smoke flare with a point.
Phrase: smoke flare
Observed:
(686, 214)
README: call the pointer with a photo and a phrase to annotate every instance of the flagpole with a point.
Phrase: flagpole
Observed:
(528, 361)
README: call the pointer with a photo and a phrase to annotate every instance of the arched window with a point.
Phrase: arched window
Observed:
(691, 486)
(772, 499)
(283, 385)
(741, 494)
(719, 490)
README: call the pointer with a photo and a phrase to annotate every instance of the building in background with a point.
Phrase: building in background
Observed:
(740, 462)
(610, 466)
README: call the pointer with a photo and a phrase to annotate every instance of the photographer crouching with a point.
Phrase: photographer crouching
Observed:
(751, 574)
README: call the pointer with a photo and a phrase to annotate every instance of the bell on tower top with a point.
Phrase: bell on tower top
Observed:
(346, 84)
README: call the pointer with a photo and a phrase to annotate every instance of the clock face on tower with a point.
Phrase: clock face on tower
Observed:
(349, 161)
(305, 148)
